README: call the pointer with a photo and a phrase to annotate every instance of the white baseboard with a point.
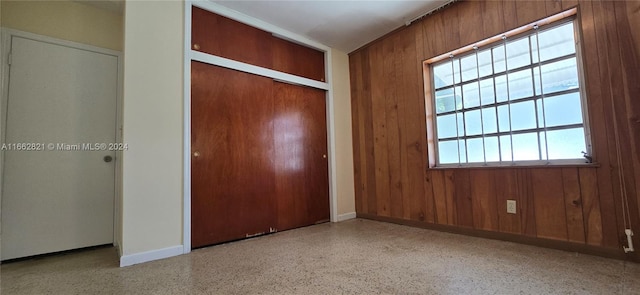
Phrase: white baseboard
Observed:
(136, 258)
(346, 216)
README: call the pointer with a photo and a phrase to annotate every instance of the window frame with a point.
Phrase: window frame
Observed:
(489, 43)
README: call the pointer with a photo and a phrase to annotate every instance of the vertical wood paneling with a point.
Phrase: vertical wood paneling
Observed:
(451, 27)
(368, 150)
(629, 53)
(510, 14)
(483, 195)
(609, 65)
(602, 133)
(590, 206)
(434, 41)
(450, 192)
(579, 205)
(378, 109)
(530, 11)
(573, 205)
(470, 18)
(492, 17)
(566, 4)
(507, 189)
(462, 198)
(439, 196)
(553, 6)
(550, 213)
(390, 81)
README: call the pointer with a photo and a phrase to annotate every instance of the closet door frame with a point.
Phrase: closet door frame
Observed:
(190, 55)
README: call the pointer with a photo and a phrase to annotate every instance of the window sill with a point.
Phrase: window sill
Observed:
(585, 165)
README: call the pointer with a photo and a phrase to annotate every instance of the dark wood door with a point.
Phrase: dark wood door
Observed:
(300, 133)
(259, 155)
(232, 144)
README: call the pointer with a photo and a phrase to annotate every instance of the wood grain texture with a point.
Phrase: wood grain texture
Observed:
(507, 189)
(462, 198)
(241, 42)
(390, 82)
(233, 136)
(530, 11)
(450, 197)
(610, 49)
(300, 149)
(606, 177)
(470, 17)
(378, 109)
(573, 205)
(548, 200)
(297, 60)
(439, 196)
(492, 18)
(434, 41)
(590, 206)
(483, 195)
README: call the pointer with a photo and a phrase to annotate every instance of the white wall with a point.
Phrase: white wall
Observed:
(152, 167)
(152, 117)
(344, 144)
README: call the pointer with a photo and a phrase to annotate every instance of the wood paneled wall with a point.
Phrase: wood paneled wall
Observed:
(580, 205)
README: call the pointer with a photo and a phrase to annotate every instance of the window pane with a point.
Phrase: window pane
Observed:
(489, 120)
(498, 59)
(463, 151)
(473, 122)
(446, 101)
(448, 151)
(563, 109)
(447, 126)
(559, 76)
(543, 145)
(566, 144)
(523, 116)
(501, 88)
(520, 84)
(492, 152)
(556, 42)
(518, 53)
(533, 42)
(475, 150)
(469, 67)
(503, 118)
(537, 84)
(442, 75)
(486, 91)
(484, 63)
(505, 148)
(470, 95)
(456, 70)
(525, 147)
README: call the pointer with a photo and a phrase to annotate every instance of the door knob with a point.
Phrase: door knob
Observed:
(107, 159)
(196, 154)
(324, 156)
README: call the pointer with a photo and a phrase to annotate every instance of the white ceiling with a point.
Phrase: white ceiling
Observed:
(345, 25)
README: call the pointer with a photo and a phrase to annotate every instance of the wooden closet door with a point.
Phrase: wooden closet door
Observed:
(300, 133)
(232, 146)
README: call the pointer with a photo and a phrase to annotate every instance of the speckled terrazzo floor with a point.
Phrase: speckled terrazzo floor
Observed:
(352, 257)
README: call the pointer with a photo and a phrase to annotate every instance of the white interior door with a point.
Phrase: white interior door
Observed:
(56, 199)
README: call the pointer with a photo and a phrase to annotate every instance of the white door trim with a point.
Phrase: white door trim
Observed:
(5, 35)
(276, 31)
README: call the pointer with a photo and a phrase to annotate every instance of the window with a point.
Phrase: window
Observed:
(514, 101)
